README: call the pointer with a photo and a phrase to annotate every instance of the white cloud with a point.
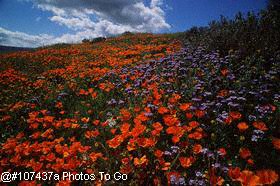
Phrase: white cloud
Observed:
(94, 18)
(21, 39)
(156, 3)
(38, 19)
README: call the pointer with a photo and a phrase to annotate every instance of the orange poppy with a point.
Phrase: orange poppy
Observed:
(163, 110)
(137, 109)
(224, 72)
(125, 114)
(158, 153)
(125, 161)
(196, 135)
(235, 115)
(185, 106)
(157, 126)
(113, 131)
(189, 115)
(197, 148)
(247, 178)
(223, 93)
(85, 120)
(228, 120)
(50, 157)
(165, 166)
(199, 113)
(186, 161)
(193, 124)
(260, 125)
(242, 126)
(173, 130)
(96, 122)
(267, 177)
(115, 142)
(125, 128)
(276, 143)
(138, 130)
(234, 173)
(222, 151)
(140, 161)
(94, 156)
(170, 120)
(244, 153)
(175, 139)
(48, 119)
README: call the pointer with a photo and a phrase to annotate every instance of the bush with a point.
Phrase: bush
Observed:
(247, 34)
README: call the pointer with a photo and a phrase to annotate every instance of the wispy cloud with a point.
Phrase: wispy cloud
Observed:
(92, 19)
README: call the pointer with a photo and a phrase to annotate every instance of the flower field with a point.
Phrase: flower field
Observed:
(161, 111)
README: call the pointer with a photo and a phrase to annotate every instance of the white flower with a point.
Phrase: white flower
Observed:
(111, 122)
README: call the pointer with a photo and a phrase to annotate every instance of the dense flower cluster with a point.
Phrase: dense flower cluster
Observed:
(142, 106)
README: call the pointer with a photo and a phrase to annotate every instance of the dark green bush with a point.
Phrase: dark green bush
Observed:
(247, 34)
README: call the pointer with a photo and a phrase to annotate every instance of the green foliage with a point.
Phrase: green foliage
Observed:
(246, 34)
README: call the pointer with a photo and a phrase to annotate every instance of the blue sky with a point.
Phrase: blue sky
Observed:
(32, 23)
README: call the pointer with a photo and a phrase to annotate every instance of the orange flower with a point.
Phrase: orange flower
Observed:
(157, 126)
(96, 122)
(228, 120)
(158, 153)
(235, 115)
(47, 133)
(115, 142)
(175, 139)
(197, 148)
(169, 120)
(131, 145)
(242, 126)
(125, 161)
(224, 72)
(234, 173)
(173, 130)
(185, 106)
(50, 157)
(244, 153)
(166, 166)
(125, 128)
(85, 120)
(260, 125)
(163, 110)
(250, 161)
(113, 131)
(94, 156)
(247, 178)
(137, 109)
(276, 143)
(199, 113)
(223, 93)
(140, 161)
(196, 135)
(267, 177)
(125, 114)
(222, 151)
(186, 161)
(83, 92)
(138, 130)
(193, 124)
(36, 135)
(48, 119)
(146, 142)
(189, 115)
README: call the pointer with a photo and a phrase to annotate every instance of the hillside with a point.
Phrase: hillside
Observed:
(6, 49)
(146, 109)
